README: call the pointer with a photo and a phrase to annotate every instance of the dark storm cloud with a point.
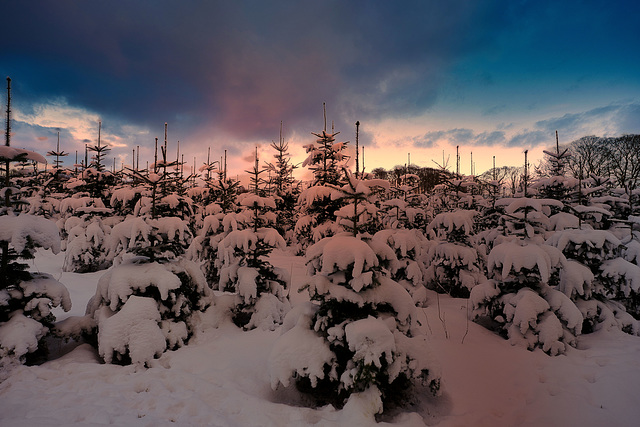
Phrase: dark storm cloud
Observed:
(239, 66)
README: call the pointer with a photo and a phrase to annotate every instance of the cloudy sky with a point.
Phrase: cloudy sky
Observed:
(494, 77)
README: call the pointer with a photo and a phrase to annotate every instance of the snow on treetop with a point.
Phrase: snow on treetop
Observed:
(514, 256)
(370, 339)
(73, 183)
(525, 308)
(575, 278)
(271, 237)
(124, 195)
(118, 284)
(249, 199)
(592, 209)
(362, 186)
(388, 291)
(311, 194)
(399, 203)
(11, 153)
(621, 269)
(555, 181)
(173, 200)
(592, 238)
(460, 219)
(455, 254)
(246, 240)
(44, 284)
(19, 229)
(340, 252)
(513, 204)
(212, 209)
(403, 240)
(172, 226)
(563, 220)
(338, 146)
(210, 224)
(74, 203)
(154, 177)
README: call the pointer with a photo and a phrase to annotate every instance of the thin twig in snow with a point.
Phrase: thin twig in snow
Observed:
(441, 317)
(466, 331)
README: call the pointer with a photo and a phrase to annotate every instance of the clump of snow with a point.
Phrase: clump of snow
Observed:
(597, 239)
(49, 293)
(134, 329)
(563, 221)
(118, 284)
(575, 279)
(511, 257)
(338, 252)
(18, 230)
(13, 153)
(19, 336)
(299, 351)
(449, 221)
(623, 272)
(371, 341)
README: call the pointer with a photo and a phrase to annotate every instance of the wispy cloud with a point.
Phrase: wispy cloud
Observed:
(613, 119)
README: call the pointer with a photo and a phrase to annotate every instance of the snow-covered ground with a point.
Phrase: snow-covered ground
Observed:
(221, 378)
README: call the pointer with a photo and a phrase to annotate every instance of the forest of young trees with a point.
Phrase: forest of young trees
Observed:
(542, 255)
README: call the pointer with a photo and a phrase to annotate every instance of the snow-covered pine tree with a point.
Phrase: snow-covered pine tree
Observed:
(204, 247)
(87, 240)
(317, 210)
(145, 304)
(284, 187)
(453, 264)
(96, 177)
(359, 336)
(409, 265)
(520, 299)
(599, 279)
(359, 213)
(244, 269)
(26, 298)
(404, 205)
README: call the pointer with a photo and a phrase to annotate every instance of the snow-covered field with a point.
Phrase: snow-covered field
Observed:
(221, 378)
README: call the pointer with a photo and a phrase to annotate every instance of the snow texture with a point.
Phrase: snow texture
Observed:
(118, 284)
(338, 252)
(11, 153)
(512, 257)
(19, 229)
(134, 329)
(299, 351)
(19, 336)
(371, 340)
